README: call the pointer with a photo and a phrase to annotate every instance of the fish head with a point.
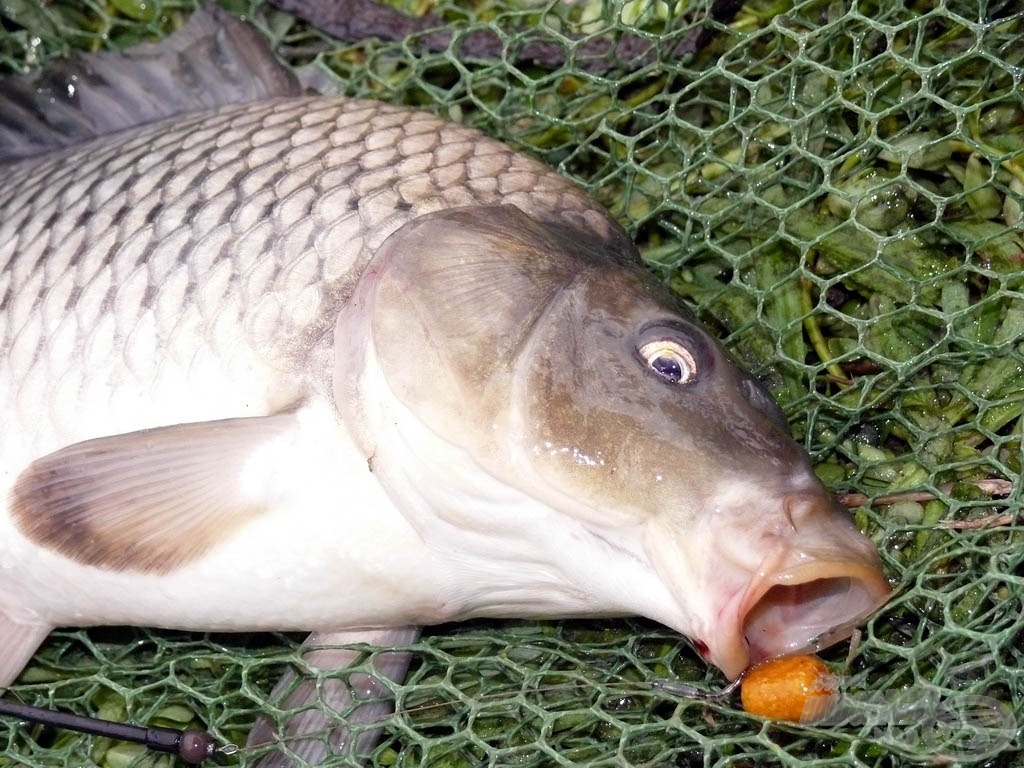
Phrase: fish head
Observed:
(561, 367)
(631, 407)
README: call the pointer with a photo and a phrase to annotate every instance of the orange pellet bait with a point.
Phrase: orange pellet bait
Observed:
(795, 688)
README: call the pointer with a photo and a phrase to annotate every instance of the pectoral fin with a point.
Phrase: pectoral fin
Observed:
(333, 716)
(147, 501)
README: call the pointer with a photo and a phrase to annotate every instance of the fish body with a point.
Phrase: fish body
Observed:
(127, 311)
(327, 364)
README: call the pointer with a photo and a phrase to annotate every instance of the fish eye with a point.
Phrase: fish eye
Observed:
(670, 360)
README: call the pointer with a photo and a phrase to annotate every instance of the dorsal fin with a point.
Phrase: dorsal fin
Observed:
(214, 60)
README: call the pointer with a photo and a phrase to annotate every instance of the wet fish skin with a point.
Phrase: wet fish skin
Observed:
(316, 363)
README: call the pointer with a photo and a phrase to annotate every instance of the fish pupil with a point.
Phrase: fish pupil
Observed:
(668, 367)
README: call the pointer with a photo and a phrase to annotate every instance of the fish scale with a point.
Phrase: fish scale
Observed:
(282, 196)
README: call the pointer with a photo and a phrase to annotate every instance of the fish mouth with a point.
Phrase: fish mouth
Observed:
(798, 609)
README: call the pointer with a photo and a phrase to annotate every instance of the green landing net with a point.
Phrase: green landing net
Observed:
(837, 187)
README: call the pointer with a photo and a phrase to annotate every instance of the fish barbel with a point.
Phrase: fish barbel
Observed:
(316, 363)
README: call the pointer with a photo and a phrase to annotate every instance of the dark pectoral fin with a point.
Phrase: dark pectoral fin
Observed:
(147, 501)
(333, 716)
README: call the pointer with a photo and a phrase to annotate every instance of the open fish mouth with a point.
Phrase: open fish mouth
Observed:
(797, 609)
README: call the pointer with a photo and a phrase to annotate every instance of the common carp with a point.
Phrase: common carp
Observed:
(294, 362)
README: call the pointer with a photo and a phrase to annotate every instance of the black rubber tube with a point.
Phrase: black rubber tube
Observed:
(191, 746)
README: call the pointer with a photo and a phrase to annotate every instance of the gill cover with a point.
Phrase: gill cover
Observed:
(451, 303)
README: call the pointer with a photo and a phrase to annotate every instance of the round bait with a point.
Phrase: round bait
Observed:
(795, 688)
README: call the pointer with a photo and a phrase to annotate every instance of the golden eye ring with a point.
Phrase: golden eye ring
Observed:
(670, 360)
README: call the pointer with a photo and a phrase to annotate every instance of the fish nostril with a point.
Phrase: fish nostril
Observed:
(807, 509)
(787, 509)
(799, 510)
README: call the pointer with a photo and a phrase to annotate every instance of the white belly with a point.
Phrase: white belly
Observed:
(328, 550)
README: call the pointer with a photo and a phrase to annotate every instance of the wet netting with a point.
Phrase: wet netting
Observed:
(837, 187)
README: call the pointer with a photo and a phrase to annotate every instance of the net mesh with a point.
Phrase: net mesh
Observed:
(837, 188)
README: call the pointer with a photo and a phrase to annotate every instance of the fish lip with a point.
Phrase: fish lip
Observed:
(737, 649)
